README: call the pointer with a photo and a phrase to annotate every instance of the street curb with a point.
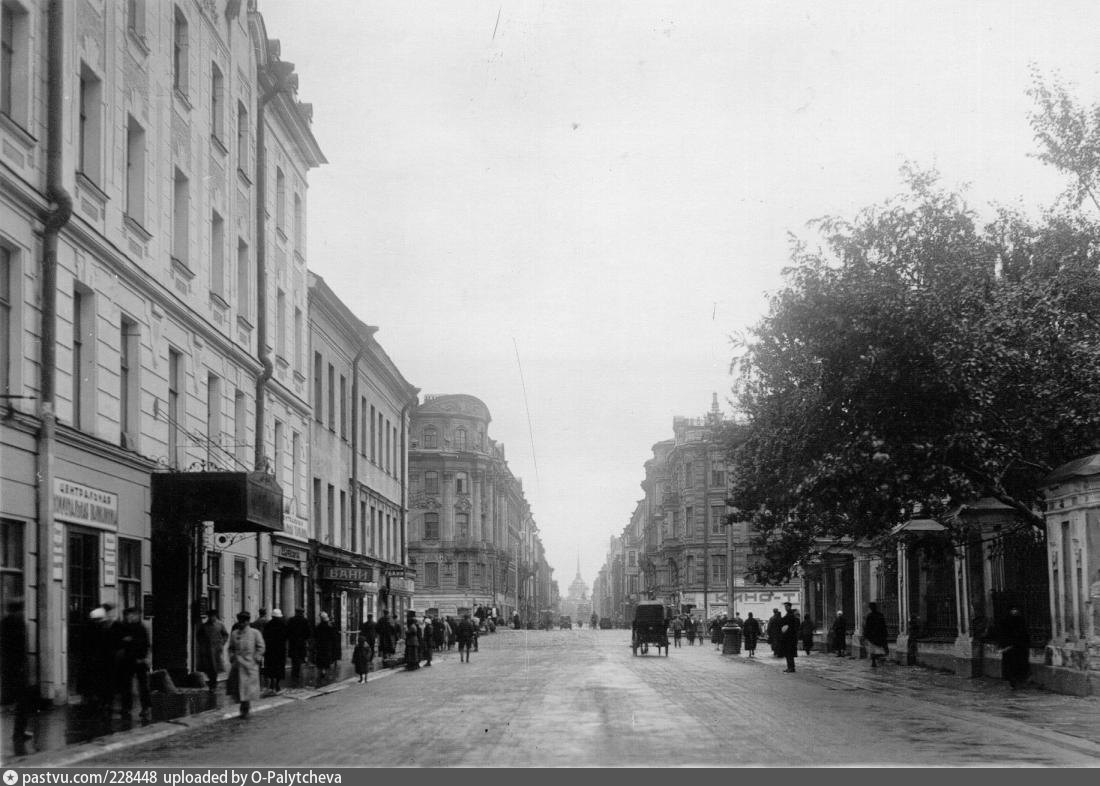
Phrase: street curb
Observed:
(75, 754)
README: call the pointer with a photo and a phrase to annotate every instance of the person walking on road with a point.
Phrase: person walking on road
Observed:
(275, 640)
(751, 631)
(1013, 636)
(806, 631)
(298, 634)
(360, 657)
(875, 634)
(210, 641)
(677, 631)
(246, 648)
(427, 634)
(413, 639)
(133, 663)
(15, 683)
(465, 638)
(387, 642)
(788, 636)
(689, 631)
(775, 622)
(368, 631)
(326, 646)
(838, 635)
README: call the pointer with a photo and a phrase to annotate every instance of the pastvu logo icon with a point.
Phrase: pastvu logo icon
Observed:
(11, 777)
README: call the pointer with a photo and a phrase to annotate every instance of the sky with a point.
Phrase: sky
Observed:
(566, 209)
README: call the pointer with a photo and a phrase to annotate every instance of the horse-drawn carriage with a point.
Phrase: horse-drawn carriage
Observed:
(650, 627)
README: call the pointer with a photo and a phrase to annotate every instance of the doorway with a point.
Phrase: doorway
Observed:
(83, 596)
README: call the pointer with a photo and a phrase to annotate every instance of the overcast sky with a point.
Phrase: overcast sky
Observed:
(606, 191)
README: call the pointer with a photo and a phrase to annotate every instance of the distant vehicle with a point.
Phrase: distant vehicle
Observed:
(650, 627)
(565, 622)
(605, 623)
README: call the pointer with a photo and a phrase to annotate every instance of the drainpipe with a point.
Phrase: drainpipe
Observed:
(61, 208)
(404, 483)
(353, 481)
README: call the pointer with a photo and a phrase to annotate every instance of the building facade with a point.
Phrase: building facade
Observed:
(472, 538)
(361, 412)
(133, 223)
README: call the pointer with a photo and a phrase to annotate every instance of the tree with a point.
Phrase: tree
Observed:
(916, 362)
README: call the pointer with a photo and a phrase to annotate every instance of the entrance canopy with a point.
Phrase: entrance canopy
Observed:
(234, 501)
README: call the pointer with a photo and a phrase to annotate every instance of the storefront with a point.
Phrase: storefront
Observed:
(289, 575)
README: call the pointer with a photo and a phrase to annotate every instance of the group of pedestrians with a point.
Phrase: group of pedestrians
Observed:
(114, 654)
(422, 637)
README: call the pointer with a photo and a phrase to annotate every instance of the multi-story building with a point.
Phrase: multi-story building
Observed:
(359, 445)
(152, 214)
(472, 538)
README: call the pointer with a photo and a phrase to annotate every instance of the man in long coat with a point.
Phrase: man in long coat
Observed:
(838, 636)
(275, 638)
(1013, 636)
(874, 631)
(413, 638)
(788, 636)
(246, 648)
(387, 643)
(298, 634)
(210, 642)
(326, 646)
(775, 622)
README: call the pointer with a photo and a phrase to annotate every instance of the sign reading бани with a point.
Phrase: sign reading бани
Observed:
(80, 504)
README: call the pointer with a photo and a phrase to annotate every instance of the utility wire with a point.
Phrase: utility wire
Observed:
(530, 428)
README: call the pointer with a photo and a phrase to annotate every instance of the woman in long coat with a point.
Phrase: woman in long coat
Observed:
(325, 646)
(210, 642)
(775, 622)
(875, 634)
(274, 634)
(413, 639)
(751, 631)
(246, 647)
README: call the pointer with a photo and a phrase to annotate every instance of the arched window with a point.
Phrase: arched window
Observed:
(460, 438)
(431, 437)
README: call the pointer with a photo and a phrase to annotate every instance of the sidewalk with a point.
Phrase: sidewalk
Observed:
(1073, 716)
(66, 735)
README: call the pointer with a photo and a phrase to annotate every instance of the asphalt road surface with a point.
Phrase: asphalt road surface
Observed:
(581, 699)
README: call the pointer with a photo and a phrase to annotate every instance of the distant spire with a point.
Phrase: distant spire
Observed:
(714, 403)
(578, 563)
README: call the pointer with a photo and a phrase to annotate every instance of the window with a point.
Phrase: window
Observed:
(299, 341)
(430, 437)
(6, 332)
(213, 419)
(363, 425)
(431, 526)
(278, 463)
(174, 415)
(83, 368)
(239, 574)
(299, 239)
(372, 437)
(689, 569)
(318, 388)
(462, 526)
(280, 200)
(460, 438)
(343, 407)
(242, 279)
(344, 519)
(280, 323)
(374, 535)
(331, 398)
(90, 128)
(295, 462)
(242, 138)
(217, 254)
(381, 456)
(718, 477)
(217, 103)
(135, 170)
(240, 436)
(396, 463)
(331, 499)
(129, 573)
(181, 216)
(431, 574)
(135, 17)
(14, 74)
(689, 522)
(214, 582)
(632, 559)
(12, 583)
(462, 484)
(431, 482)
(317, 520)
(464, 574)
(718, 571)
(717, 518)
(180, 53)
(127, 382)
(389, 455)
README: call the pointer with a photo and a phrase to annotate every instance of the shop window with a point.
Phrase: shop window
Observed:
(129, 573)
(12, 582)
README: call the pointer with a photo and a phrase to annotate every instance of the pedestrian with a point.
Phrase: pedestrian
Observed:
(689, 631)
(360, 657)
(15, 675)
(298, 634)
(439, 632)
(452, 633)
(838, 636)
(387, 642)
(875, 634)
(515, 620)
(1014, 637)
(427, 635)
(246, 648)
(465, 638)
(677, 631)
(806, 631)
(133, 663)
(751, 631)
(368, 632)
(210, 641)
(326, 646)
(412, 642)
(261, 623)
(775, 622)
(701, 631)
(789, 626)
(101, 653)
(275, 641)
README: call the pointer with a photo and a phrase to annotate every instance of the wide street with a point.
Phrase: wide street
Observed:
(579, 698)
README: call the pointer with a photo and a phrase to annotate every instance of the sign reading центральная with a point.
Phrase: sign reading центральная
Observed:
(80, 504)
